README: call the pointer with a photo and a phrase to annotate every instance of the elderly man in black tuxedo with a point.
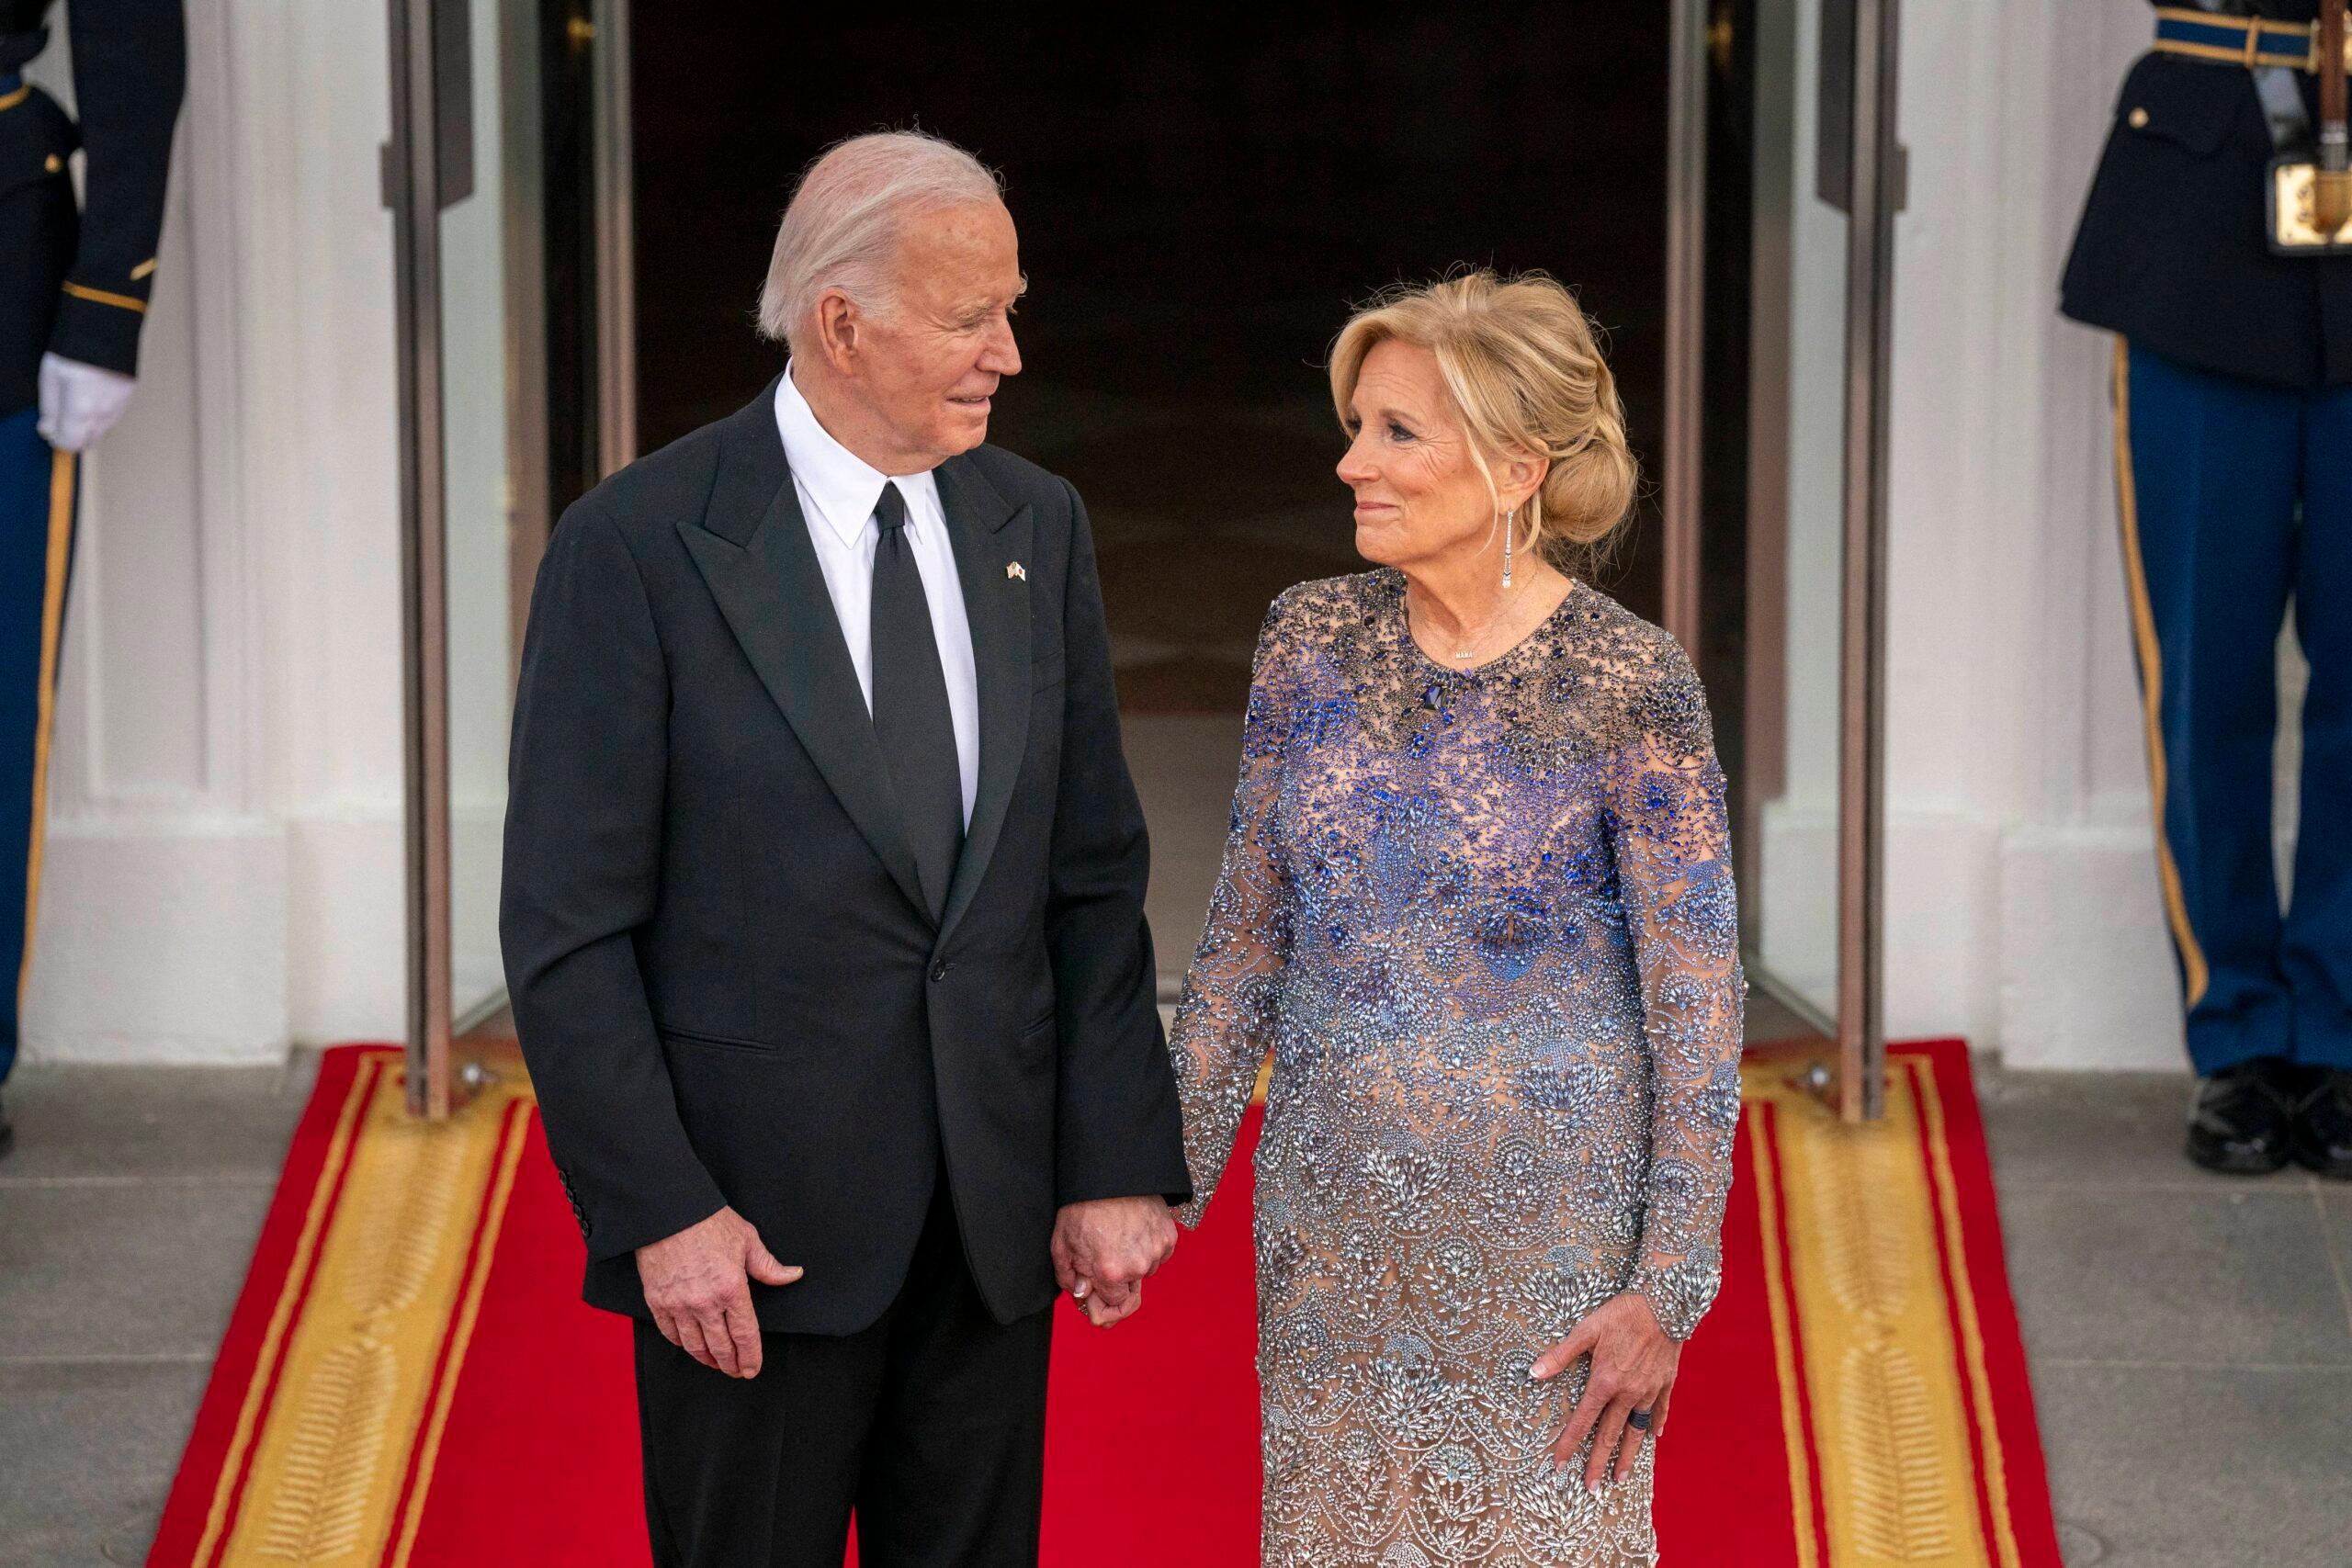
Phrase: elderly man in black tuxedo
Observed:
(823, 910)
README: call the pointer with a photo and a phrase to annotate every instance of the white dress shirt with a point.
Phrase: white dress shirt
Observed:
(838, 490)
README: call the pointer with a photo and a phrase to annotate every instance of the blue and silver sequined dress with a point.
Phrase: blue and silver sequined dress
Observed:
(1484, 922)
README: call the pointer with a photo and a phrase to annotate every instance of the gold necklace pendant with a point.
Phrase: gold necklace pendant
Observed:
(1486, 633)
(1464, 655)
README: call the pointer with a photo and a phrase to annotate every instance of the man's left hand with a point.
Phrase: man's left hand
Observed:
(1102, 1249)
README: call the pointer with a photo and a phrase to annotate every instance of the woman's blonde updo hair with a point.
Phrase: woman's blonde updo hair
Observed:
(1523, 364)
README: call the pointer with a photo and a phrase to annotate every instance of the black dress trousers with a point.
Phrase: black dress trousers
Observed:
(930, 1424)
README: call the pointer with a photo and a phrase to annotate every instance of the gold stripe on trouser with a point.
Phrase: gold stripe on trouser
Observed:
(52, 618)
(2152, 677)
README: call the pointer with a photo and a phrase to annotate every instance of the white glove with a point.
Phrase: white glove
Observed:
(79, 402)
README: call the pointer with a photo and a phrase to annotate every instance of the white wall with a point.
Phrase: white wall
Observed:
(223, 868)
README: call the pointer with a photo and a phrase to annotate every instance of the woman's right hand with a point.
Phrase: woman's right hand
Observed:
(1634, 1367)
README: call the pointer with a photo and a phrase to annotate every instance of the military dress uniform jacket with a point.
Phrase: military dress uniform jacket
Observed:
(2171, 252)
(77, 282)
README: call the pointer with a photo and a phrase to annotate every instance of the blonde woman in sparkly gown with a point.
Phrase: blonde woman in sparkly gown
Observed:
(1477, 903)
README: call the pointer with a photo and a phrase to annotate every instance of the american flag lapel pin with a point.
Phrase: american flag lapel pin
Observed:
(1015, 569)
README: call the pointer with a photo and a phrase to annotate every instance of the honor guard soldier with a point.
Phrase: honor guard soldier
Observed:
(74, 290)
(2217, 246)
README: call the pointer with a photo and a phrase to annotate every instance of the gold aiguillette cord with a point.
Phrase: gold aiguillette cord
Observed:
(2332, 192)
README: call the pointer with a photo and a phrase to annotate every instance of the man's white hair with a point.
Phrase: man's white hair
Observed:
(844, 220)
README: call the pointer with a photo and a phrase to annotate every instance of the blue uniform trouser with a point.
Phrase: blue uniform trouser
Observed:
(37, 508)
(2236, 500)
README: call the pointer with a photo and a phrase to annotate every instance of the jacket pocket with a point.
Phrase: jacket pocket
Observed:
(2182, 103)
(36, 139)
(723, 1041)
(1047, 671)
(1038, 1049)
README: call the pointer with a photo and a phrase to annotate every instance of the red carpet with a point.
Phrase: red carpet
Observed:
(409, 1379)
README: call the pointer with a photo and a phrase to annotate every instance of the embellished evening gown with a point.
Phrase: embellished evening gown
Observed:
(1484, 922)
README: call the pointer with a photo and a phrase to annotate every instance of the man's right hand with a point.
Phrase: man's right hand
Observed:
(698, 1284)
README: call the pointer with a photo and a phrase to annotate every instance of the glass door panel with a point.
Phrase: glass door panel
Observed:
(1802, 176)
(481, 387)
(467, 176)
(1797, 467)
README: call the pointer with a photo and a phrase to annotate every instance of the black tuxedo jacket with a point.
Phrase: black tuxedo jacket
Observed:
(725, 981)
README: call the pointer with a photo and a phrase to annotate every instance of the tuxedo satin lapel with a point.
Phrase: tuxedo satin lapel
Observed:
(772, 595)
(988, 536)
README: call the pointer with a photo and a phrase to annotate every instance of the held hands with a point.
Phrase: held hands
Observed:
(698, 1284)
(1102, 1249)
(1634, 1364)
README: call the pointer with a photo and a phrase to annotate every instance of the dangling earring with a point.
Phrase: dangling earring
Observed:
(1510, 526)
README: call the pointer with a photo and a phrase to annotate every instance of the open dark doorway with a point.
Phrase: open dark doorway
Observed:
(1201, 197)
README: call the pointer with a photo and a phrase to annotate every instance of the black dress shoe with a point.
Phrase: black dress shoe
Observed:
(2243, 1117)
(2322, 1137)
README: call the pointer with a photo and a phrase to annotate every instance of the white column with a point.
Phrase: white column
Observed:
(223, 870)
(2022, 900)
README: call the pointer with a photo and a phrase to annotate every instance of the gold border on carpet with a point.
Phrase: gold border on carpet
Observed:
(399, 1274)
(1894, 1427)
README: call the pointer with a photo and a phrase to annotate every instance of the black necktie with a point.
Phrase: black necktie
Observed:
(911, 714)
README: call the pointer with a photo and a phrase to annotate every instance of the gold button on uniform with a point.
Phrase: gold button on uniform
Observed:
(2137, 120)
(52, 162)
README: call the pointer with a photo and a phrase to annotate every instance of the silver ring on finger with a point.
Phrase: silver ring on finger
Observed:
(1639, 1421)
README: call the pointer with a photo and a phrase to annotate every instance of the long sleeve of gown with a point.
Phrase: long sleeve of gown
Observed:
(1673, 857)
(1225, 1017)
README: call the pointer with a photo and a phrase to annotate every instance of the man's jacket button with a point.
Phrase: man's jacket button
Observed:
(939, 970)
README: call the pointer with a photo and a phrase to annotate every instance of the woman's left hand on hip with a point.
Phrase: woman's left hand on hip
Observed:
(1633, 1365)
